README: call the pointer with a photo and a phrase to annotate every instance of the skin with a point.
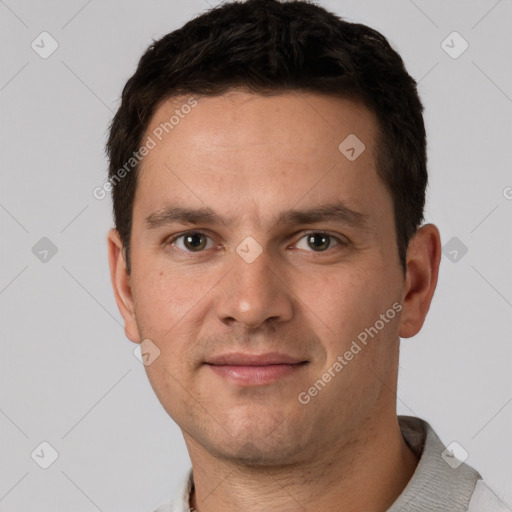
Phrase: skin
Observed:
(248, 158)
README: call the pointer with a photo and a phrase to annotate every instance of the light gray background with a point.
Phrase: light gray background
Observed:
(69, 376)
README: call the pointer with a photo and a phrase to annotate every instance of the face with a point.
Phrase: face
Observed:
(256, 238)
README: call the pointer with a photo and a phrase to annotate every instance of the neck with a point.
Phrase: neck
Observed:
(368, 473)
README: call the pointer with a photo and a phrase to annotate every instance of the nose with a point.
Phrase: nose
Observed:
(254, 293)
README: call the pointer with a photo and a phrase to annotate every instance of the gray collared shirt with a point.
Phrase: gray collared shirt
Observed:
(440, 482)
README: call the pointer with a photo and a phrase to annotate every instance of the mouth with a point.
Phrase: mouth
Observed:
(255, 369)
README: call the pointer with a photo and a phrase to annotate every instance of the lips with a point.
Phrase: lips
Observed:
(255, 369)
(245, 359)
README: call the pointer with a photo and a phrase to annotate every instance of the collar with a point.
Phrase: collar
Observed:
(435, 485)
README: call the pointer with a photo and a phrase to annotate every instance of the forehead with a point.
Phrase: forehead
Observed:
(242, 119)
(249, 153)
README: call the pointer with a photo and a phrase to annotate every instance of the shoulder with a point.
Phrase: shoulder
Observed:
(483, 499)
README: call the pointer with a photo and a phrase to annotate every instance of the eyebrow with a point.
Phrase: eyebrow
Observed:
(336, 212)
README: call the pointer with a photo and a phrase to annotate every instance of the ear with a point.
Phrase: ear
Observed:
(121, 285)
(423, 259)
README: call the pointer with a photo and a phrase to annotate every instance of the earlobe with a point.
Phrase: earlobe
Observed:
(121, 285)
(423, 260)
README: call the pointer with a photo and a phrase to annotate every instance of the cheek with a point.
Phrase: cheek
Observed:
(160, 300)
(164, 290)
(346, 303)
(165, 304)
(341, 298)
(170, 307)
(154, 299)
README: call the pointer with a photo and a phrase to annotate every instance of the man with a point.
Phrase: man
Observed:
(268, 171)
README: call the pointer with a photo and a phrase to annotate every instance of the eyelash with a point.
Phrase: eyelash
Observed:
(339, 241)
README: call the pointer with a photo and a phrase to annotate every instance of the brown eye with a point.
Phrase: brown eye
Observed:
(320, 242)
(193, 241)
